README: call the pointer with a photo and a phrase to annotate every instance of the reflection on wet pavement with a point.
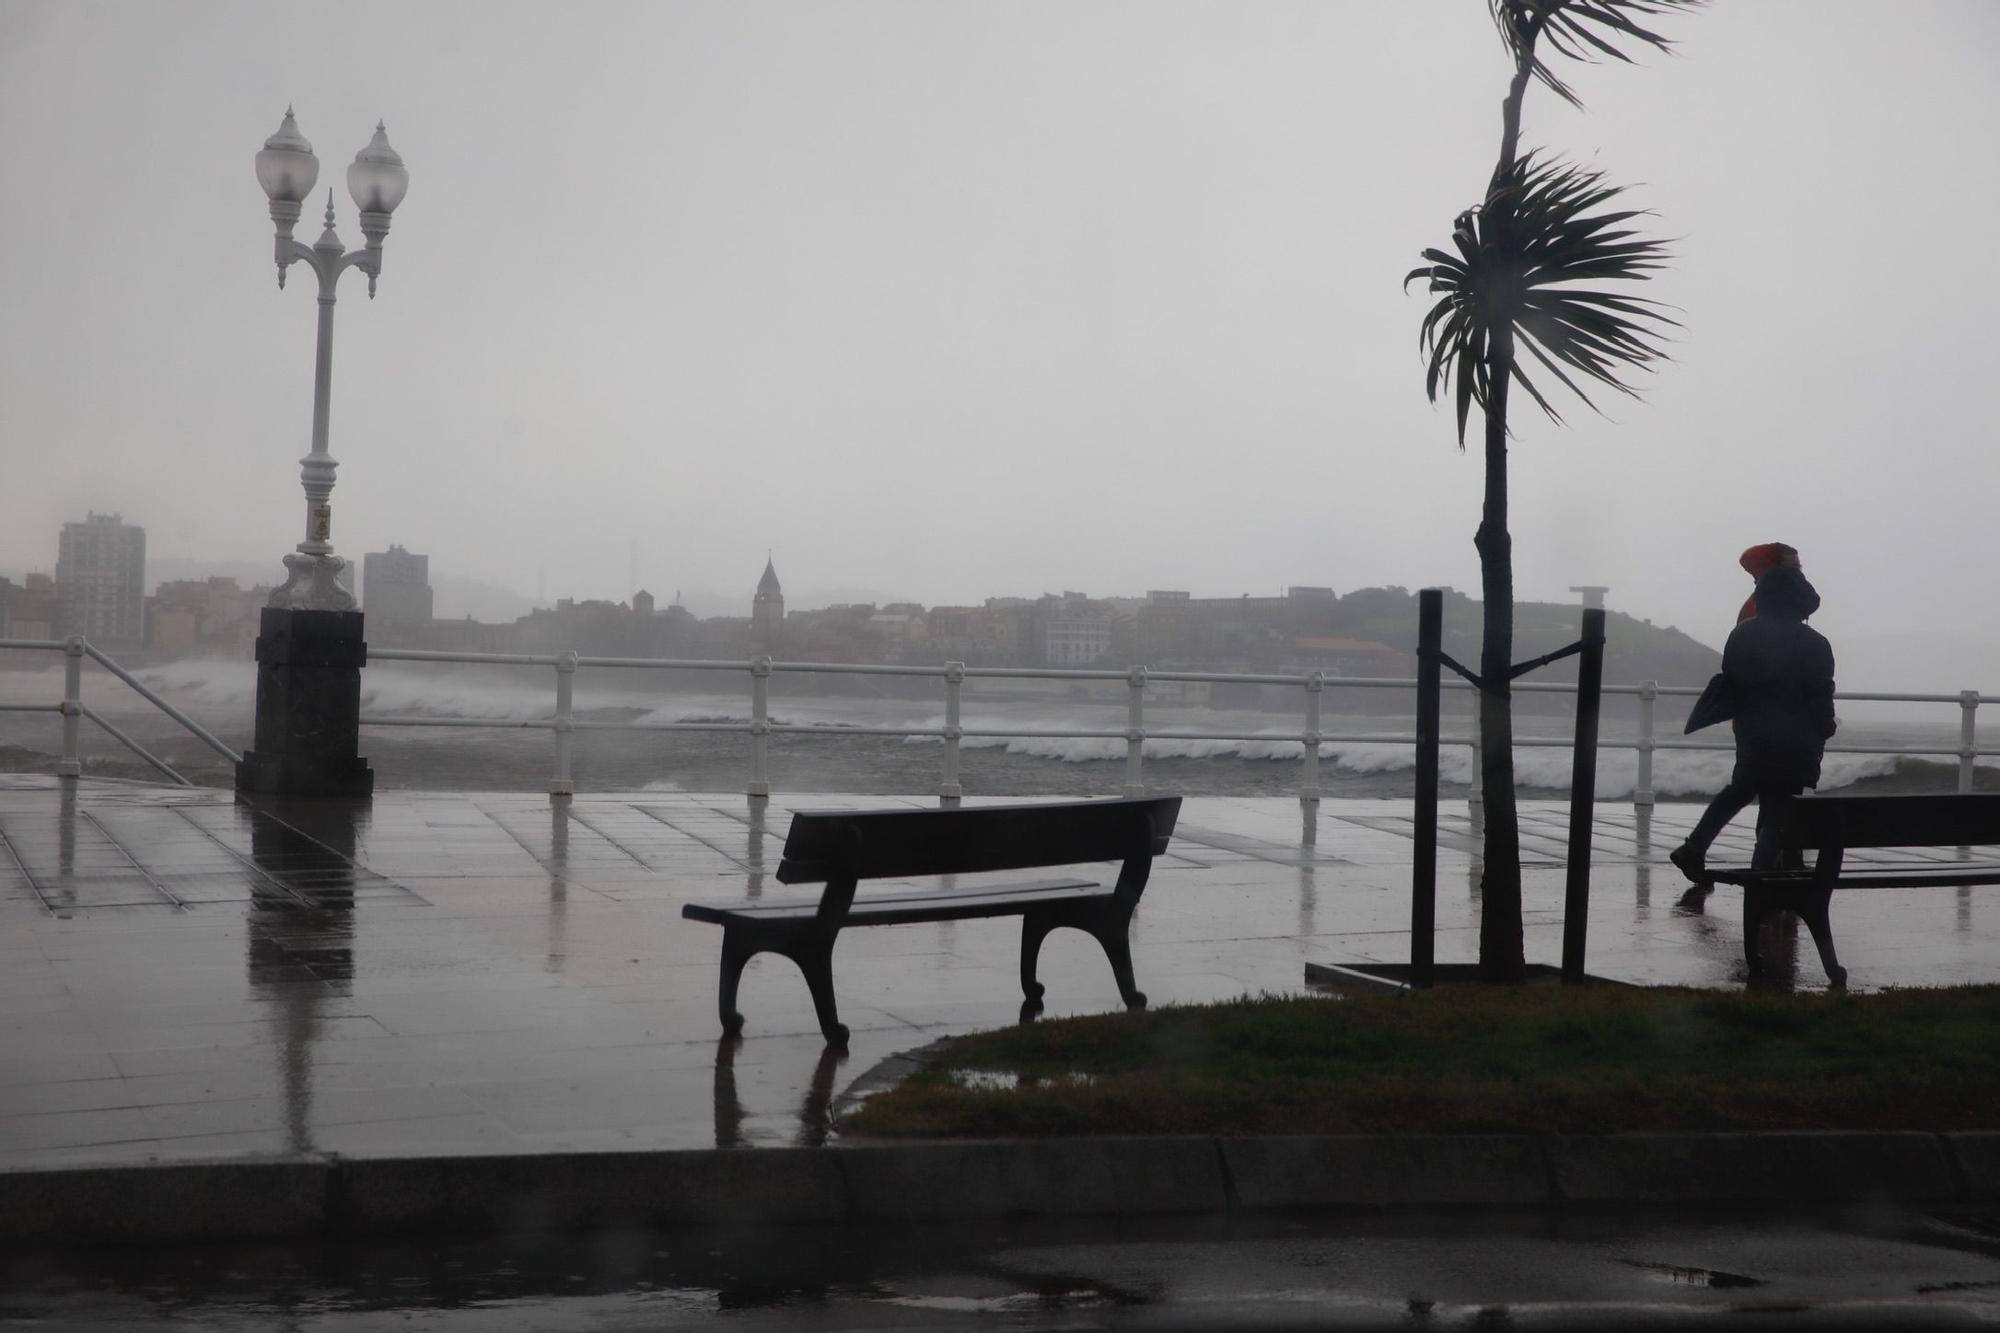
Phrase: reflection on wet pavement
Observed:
(184, 977)
(815, 1112)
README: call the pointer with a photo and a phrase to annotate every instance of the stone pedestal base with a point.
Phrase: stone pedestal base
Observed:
(308, 707)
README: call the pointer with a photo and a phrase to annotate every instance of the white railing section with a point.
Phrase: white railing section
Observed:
(564, 724)
(73, 710)
(1312, 686)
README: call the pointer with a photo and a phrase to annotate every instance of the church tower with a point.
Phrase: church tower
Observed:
(767, 609)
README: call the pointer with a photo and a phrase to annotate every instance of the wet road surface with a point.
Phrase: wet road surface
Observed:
(1860, 1270)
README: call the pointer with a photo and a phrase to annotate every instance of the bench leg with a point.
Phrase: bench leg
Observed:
(815, 959)
(1035, 928)
(736, 951)
(1118, 948)
(1814, 913)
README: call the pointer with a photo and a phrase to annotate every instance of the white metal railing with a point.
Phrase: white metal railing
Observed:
(564, 724)
(73, 709)
(1312, 686)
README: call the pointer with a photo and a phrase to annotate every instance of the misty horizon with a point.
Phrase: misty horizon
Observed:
(1933, 661)
(1003, 299)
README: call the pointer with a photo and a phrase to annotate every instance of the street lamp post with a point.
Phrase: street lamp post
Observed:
(309, 647)
(287, 170)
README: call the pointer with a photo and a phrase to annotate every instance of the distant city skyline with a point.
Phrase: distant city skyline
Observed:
(726, 601)
(1948, 659)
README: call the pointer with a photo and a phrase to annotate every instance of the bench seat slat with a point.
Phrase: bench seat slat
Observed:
(896, 908)
(1867, 876)
(902, 843)
(1936, 819)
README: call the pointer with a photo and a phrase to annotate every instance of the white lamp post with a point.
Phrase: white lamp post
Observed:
(377, 180)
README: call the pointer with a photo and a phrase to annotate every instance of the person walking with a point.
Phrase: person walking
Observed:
(1780, 674)
(1691, 857)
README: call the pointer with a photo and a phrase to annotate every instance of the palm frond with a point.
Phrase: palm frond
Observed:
(1517, 263)
(1582, 30)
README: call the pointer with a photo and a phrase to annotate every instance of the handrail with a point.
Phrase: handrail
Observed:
(967, 672)
(201, 733)
(72, 709)
(136, 748)
(760, 727)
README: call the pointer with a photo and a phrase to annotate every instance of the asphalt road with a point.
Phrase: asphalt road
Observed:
(1887, 1269)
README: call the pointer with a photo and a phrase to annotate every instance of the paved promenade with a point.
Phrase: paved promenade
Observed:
(183, 978)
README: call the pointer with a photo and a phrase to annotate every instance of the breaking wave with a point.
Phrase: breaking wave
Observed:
(1675, 772)
(389, 688)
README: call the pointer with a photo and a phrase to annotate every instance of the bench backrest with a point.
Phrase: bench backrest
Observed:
(1948, 819)
(844, 846)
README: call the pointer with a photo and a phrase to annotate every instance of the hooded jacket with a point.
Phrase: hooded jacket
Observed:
(1759, 561)
(1781, 670)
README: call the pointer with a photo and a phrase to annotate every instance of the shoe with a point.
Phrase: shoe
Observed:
(1692, 864)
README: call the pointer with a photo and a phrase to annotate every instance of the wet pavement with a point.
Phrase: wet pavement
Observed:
(185, 978)
(1883, 1269)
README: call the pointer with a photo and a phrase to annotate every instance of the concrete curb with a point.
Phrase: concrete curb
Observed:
(332, 1197)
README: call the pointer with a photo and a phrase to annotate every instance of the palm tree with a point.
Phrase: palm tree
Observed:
(1509, 282)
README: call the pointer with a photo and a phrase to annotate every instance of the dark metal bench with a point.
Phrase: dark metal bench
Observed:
(843, 847)
(1834, 824)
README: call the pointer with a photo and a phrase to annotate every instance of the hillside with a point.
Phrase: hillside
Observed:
(1634, 649)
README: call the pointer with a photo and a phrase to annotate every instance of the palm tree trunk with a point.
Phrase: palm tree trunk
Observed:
(1502, 957)
(1501, 954)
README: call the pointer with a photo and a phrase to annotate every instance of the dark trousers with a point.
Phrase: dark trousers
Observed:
(1774, 806)
(1728, 804)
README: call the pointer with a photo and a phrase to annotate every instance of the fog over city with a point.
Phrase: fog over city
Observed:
(943, 302)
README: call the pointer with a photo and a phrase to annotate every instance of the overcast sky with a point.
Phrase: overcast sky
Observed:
(948, 300)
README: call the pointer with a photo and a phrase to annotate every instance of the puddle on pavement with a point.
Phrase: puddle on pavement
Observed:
(1022, 1302)
(1680, 1275)
(1006, 1080)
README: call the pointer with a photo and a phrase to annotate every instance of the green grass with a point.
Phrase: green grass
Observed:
(1472, 1059)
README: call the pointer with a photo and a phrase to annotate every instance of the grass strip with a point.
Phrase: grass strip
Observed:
(1470, 1059)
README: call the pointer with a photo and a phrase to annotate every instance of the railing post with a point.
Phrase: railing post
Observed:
(1309, 775)
(954, 680)
(1642, 792)
(71, 763)
(1968, 736)
(562, 785)
(1135, 732)
(760, 726)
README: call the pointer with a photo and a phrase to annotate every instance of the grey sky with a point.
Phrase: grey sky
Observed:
(959, 299)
